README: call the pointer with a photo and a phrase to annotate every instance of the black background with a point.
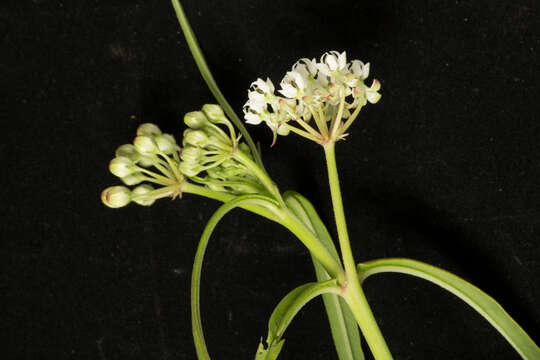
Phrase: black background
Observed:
(444, 169)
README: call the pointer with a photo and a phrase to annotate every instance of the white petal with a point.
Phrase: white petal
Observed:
(254, 96)
(331, 61)
(298, 79)
(372, 96)
(376, 85)
(323, 68)
(270, 85)
(301, 69)
(342, 60)
(356, 67)
(312, 66)
(288, 90)
(253, 119)
(365, 71)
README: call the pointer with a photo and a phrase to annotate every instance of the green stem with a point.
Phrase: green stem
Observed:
(284, 217)
(352, 291)
(260, 174)
(209, 79)
(314, 245)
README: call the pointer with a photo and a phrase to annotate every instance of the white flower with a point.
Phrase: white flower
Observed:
(312, 88)
(372, 94)
(359, 69)
(293, 85)
(332, 63)
(252, 117)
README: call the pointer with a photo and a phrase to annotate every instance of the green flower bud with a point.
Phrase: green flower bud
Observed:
(189, 168)
(133, 179)
(139, 195)
(195, 120)
(191, 154)
(146, 161)
(195, 138)
(116, 196)
(145, 144)
(214, 113)
(244, 148)
(129, 151)
(166, 143)
(121, 166)
(148, 129)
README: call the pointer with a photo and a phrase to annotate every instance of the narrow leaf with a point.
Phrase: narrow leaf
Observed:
(484, 304)
(196, 322)
(209, 78)
(285, 311)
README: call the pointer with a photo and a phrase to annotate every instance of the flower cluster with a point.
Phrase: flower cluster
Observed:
(211, 156)
(322, 90)
(152, 158)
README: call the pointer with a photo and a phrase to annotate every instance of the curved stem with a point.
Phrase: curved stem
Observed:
(352, 291)
(200, 345)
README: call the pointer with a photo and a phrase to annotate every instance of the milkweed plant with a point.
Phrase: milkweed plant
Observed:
(318, 100)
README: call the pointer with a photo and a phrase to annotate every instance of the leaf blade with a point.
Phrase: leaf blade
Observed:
(285, 312)
(484, 304)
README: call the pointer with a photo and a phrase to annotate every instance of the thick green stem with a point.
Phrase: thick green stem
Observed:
(352, 291)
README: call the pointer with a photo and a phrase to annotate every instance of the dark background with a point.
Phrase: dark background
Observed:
(445, 169)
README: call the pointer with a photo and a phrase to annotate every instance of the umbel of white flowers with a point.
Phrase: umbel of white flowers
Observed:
(331, 91)
(211, 156)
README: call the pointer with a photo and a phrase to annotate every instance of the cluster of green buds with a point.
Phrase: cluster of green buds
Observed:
(211, 156)
(151, 160)
(214, 156)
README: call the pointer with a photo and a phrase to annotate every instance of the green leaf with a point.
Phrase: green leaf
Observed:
(209, 78)
(196, 322)
(342, 322)
(478, 300)
(284, 313)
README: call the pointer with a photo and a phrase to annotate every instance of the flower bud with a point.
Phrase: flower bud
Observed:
(191, 154)
(133, 179)
(214, 113)
(166, 143)
(244, 148)
(129, 151)
(121, 166)
(139, 195)
(195, 120)
(116, 196)
(194, 138)
(189, 168)
(146, 161)
(145, 144)
(148, 129)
